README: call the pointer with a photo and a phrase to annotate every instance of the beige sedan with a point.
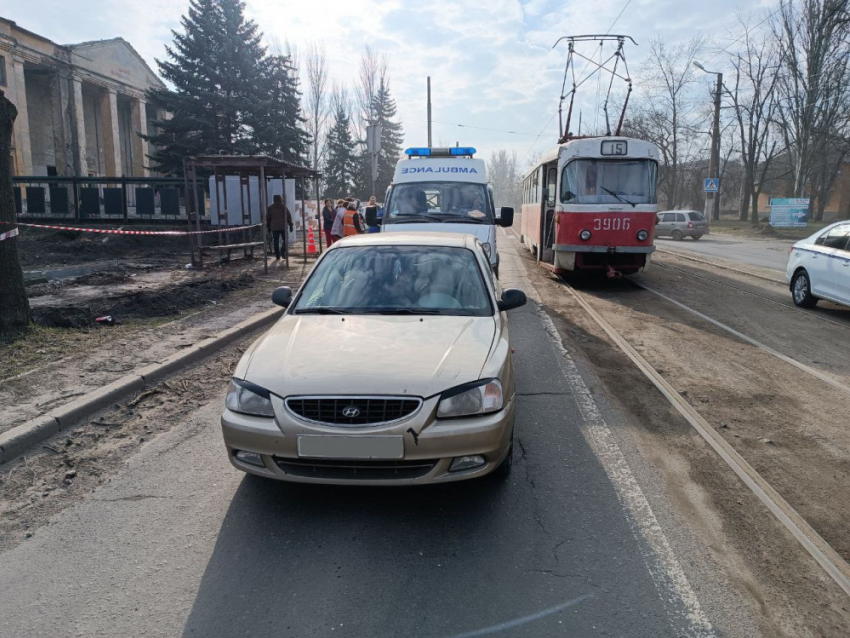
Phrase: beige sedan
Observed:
(392, 365)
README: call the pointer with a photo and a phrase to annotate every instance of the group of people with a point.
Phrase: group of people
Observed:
(340, 221)
(345, 219)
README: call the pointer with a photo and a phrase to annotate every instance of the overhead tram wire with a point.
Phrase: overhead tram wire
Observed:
(613, 24)
(483, 128)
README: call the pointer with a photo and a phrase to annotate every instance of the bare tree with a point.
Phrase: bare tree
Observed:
(815, 53)
(373, 67)
(316, 99)
(504, 176)
(14, 306)
(667, 112)
(753, 101)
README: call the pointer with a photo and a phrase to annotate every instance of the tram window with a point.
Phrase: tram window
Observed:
(590, 181)
(551, 179)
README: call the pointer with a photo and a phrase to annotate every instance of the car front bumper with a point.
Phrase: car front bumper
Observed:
(427, 456)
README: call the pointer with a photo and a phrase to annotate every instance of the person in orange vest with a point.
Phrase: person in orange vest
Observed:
(351, 221)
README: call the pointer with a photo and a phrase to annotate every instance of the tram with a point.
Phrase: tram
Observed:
(590, 205)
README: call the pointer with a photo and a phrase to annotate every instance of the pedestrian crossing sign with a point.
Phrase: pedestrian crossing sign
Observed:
(712, 185)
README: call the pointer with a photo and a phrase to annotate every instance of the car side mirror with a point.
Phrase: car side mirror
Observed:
(282, 296)
(512, 298)
(506, 216)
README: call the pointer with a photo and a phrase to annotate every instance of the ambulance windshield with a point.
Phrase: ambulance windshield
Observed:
(452, 202)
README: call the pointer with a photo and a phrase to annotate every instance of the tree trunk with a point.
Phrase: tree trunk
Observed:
(14, 306)
(754, 220)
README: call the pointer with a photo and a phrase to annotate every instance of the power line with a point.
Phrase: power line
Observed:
(483, 128)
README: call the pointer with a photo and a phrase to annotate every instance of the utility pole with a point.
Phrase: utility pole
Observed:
(429, 111)
(712, 200)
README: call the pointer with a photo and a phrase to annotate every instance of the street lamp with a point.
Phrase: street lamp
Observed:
(712, 202)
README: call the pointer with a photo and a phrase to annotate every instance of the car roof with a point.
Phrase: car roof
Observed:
(418, 238)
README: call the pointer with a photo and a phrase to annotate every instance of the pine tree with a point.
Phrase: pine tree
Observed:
(279, 130)
(392, 137)
(341, 165)
(216, 66)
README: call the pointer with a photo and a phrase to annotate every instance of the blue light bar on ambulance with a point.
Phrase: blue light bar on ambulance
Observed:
(455, 151)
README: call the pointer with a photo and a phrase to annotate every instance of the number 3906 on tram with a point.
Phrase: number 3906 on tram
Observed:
(590, 205)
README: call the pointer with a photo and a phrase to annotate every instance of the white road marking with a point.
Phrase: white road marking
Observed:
(495, 629)
(663, 566)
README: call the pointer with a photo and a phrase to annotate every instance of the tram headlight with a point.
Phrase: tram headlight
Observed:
(642, 235)
(584, 235)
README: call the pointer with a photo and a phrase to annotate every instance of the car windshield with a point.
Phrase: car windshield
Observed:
(396, 280)
(590, 181)
(439, 202)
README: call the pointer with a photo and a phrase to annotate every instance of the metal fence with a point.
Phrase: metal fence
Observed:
(127, 199)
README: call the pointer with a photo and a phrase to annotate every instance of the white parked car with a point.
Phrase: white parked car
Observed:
(819, 267)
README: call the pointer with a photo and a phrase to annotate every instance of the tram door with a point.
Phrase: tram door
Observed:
(547, 217)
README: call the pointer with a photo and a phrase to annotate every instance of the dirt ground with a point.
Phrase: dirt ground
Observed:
(154, 322)
(789, 426)
(74, 464)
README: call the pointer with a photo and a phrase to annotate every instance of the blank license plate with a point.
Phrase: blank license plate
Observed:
(350, 447)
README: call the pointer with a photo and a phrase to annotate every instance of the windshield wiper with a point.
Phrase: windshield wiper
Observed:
(412, 219)
(622, 199)
(405, 311)
(456, 219)
(321, 310)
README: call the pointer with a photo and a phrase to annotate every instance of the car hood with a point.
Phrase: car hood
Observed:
(369, 354)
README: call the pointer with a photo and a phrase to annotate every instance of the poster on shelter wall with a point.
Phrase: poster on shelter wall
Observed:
(789, 212)
(238, 207)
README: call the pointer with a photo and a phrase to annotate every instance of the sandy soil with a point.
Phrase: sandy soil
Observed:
(64, 364)
(791, 428)
(74, 464)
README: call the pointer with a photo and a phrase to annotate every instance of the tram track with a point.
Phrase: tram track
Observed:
(787, 306)
(816, 546)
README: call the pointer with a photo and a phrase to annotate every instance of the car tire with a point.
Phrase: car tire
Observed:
(801, 291)
(677, 235)
(505, 467)
(696, 237)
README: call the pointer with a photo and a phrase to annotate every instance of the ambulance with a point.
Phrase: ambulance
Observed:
(445, 190)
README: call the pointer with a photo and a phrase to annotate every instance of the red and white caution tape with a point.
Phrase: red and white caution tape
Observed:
(8, 234)
(109, 231)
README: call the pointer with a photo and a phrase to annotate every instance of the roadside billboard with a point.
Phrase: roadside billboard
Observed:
(789, 212)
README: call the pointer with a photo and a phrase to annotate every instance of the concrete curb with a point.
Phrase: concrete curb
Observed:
(23, 437)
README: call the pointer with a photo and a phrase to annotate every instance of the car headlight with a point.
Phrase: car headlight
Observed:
(488, 249)
(584, 235)
(247, 398)
(479, 397)
(642, 235)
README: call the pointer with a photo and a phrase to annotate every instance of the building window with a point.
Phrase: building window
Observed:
(2, 71)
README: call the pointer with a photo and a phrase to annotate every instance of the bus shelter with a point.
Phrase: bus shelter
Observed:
(262, 167)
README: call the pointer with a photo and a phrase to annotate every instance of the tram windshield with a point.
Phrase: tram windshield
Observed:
(592, 181)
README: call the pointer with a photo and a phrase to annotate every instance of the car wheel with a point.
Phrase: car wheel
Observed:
(677, 235)
(504, 469)
(695, 237)
(801, 291)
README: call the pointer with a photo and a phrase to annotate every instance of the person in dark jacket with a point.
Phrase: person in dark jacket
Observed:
(278, 218)
(328, 215)
(372, 220)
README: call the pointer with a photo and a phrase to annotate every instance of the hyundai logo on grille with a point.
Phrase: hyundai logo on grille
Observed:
(351, 412)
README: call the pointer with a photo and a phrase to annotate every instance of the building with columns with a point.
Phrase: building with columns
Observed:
(81, 107)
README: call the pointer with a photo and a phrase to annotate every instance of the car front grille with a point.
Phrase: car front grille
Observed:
(355, 470)
(353, 411)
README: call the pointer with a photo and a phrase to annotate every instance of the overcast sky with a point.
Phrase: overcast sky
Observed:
(491, 62)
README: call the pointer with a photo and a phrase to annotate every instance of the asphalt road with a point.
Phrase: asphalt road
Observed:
(762, 253)
(180, 543)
